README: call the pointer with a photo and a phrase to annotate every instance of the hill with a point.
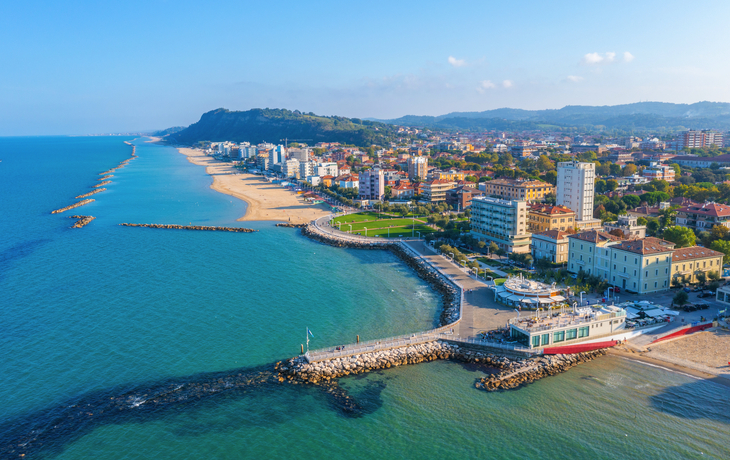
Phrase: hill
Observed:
(273, 125)
(637, 116)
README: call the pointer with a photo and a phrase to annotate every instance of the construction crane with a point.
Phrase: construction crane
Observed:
(286, 141)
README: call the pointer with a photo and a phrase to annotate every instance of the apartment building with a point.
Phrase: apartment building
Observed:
(452, 176)
(589, 252)
(372, 185)
(417, 168)
(435, 191)
(575, 191)
(699, 139)
(629, 225)
(516, 189)
(551, 245)
(659, 171)
(687, 263)
(290, 168)
(703, 216)
(503, 222)
(542, 217)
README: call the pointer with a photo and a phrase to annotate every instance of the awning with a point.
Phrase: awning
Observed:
(558, 298)
(546, 300)
(529, 300)
(514, 298)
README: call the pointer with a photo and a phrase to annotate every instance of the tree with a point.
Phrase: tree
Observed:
(600, 186)
(676, 282)
(493, 248)
(629, 170)
(641, 221)
(652, 226)
(714, 275)
(617, 232)
(544, 163)
(722, 246)
(551, 177)
(701, 278)
(680, 298)
(632, 201)
(683, 237)
(611, 185)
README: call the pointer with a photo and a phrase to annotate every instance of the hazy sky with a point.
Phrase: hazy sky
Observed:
(76, 67)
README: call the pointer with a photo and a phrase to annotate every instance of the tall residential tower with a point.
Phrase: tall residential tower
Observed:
(576, 191)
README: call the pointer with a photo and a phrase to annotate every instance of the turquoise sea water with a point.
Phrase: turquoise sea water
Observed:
(107, 313)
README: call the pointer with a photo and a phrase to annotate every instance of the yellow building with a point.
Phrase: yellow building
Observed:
(542, 217)
(515, 189)
(453, 176)
(688, 262)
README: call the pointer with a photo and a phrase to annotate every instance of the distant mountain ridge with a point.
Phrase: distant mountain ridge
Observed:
(639, 115)
(273, 125)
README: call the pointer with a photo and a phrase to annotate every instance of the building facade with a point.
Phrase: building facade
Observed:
(542, 217)
(514, 189)
(699, 139)
(703, 217)
(503, 222)
(417, 168)
(659, 172)
(629, 225)
(435, 191)
(575, 188)
(290, 168)
(687, 263)
(551, 245)
(372, 185)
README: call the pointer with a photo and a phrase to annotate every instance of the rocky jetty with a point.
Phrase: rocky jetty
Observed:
(532, 369)
(193, 227)
(108, 176)
(82, 220)
(91, 193)
(450, 293)
(123, 163)
(289, 225)
(75, 205)
(101, 184)
(299, 370)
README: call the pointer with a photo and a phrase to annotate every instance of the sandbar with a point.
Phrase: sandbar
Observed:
(266, 201)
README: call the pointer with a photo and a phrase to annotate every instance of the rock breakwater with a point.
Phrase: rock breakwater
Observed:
(75, 205)
(299, 370)
(193, 227)
(534, 369)
(82, 220)
(101, 184)
(91, 193)
(286, 224)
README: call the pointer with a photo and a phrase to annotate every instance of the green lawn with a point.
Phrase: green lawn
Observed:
(500, 281)
(358, 217)
(395, 232)
(490, 262)
(378, 224)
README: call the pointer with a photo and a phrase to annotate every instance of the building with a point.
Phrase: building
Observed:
(723, 296)
(703, 217)
(277, 155)
(348, 181)
(694, 161)
(435, 191)
(687, 263)
(551, 245)
(306, 169)
(699, 139)
(640, 266)
(520, 151)
(543, 217)
(372, 185)
(452, 176)
(503, 222)
(629, 225)
(659, 172)
(290, 168)
(460, 196)
(262, 161)
(327, 180)
(299, 154)
(327, 169)
(576, 191)
(417, 168)
(402, 190)
(568, 327)
(582, 148)
(516, 189)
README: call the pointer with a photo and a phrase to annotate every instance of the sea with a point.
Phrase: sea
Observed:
(138, 343)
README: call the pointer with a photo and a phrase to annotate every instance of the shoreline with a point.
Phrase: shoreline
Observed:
(669, 366)
(265, 201)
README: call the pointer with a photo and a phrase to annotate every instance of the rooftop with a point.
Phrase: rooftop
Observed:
(594, 236)
(552, 234)
(649, 245)
(694, 252)
(549, 209)
(707, 209)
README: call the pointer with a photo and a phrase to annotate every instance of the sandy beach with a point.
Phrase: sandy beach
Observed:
(266, 201)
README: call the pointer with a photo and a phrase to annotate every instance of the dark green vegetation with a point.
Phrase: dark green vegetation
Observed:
(629, 117)
(273, 125)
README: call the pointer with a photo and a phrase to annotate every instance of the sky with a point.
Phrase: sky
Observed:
(83, 67)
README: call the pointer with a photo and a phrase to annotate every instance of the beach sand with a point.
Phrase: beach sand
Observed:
(266, 201)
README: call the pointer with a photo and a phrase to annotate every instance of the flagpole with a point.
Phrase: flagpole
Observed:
(307, 334)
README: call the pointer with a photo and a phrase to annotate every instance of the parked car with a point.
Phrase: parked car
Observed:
(704, 294)
(687, 289)
(617, 290)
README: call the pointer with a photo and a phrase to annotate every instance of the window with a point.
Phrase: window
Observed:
(614, 255)
(624, 269)
(590, 249)
(634, 272)
(558, 336)
(625, 258)
(581, 247)
(666, 271)
(654, 283)
(570, 334)
(583, 331)
(536, 341)
(647, 273)
(656, 273)
(656, 260)
(645, 286)
(614, 266)
(546, 339)
(636, 260)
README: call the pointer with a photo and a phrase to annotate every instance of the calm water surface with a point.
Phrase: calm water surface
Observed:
(106, 311)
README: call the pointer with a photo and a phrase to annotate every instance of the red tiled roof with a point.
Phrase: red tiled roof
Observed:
(649, 245)
(594, 236)
(694, 252)
(553, 234)
(708, 209)
(549, 209)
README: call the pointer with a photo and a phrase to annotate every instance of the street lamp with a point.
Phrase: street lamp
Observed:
(366, 231)
(452, 256)
(350, 228)
(581, 297)
(419, 235)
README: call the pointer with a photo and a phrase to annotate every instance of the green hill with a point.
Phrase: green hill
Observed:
(273, 125)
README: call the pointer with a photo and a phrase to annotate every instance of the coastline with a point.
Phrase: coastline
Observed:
(669, 366)
(265, 201)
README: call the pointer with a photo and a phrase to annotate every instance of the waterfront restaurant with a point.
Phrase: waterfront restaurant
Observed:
(529, 294)
(567, 327)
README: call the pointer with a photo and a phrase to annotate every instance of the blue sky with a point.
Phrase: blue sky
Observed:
(79, 67)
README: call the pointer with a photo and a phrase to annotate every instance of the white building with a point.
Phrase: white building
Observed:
(299, 154)
(502, 221)
(290, 168)
(306, 168)
(371, 185)
(327, 169)
(277, 155)
(576, 191)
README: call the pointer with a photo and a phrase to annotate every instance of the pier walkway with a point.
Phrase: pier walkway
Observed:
(479, 311)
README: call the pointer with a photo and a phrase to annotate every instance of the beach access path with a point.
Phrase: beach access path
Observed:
(266, 201)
